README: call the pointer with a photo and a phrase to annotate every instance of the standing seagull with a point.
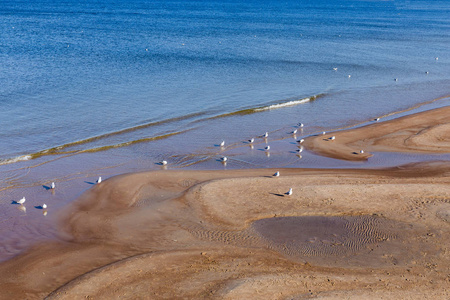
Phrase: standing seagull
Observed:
(276, 174)
(52, 186)
(265, 135)
(267, 148)
(224, 159)
(294, 132)
(332, 138)
(21, 201)
(300, 141)
(361, 151)
(222, 144)
(301, 124)
(251, 140)
(99, 180)
(289, 192)
(164, 162)
(44, 206)
(377, 119)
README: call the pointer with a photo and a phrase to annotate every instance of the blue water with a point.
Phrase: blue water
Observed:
(81, 75)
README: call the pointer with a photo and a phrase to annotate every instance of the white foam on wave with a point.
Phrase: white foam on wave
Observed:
(15, 159)
(284, 104)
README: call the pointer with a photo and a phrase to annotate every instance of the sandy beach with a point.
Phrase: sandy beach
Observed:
(235, 234)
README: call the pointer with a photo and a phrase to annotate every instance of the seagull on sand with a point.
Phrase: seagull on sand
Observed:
(289, 192)
(361, 151)
(323, 133)
(99, 180)
(276, 174)
(332, 138)
(52, 186)
(21, 201)
(222, 144)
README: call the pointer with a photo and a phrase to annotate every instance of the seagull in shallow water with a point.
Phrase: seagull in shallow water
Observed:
(377, 119)
(289, 192)
(300, 141)
(265, 134)
(164, 162)
(301, 125)
(276, 174)
(44, 206)
(251, 140)
(300, 150)
(436, 58)
(294, 132)
(224, 159)
(21, 201)
(99, 180)
(52, 185)
(332, 138)
(267, 148)
(335, 69)
(427, 72)
(395, 79)
(222, 144)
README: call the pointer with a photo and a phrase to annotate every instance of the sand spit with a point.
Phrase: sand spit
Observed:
(425, 132)
(236, 235)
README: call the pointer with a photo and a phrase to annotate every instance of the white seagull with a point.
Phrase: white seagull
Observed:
(99, 180)
(436, 58)
(300, 141)
(377, 119)
(289, 192)
(164, 162)
(266, 134)
(323, 133)
(224, 159)
(52, 185)
(335, 69)
(44, 206)
(300, 150)
(222, 144)
(395, 79)
(21, 201)
(294, 132)
(301, 124)
(267, 148)
(276, 174)
(332, 138)
(361, 151)
(349, 76)
(251, 140)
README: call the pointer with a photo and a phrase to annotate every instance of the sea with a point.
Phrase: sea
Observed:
(98, 88)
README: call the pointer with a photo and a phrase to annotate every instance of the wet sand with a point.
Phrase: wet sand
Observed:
(236, 235)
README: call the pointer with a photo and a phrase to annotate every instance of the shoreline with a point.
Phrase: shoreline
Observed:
(193, 234)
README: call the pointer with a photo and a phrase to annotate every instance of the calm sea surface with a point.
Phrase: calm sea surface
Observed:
(82, 75)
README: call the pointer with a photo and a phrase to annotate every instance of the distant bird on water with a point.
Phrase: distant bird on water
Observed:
(300, 141)
(335, 69)
(164, 162)
(301, 125)
(294, 132)
(251, 140)
(44, 206)
(265, 135)
(276, 174)
(222, 144)
(52, 185)
(323, 133)
(99, 180)
(377, 119)
(21, 201)
(224, 159)
(289, 192)
(267, 148)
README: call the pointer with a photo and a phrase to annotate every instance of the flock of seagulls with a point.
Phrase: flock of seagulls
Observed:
(44, 206)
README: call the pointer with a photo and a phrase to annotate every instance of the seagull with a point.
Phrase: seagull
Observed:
(289, 192)
(300, 150)
(251, 140)
(334, 69)
(427, 72)
(21, 201)
(361, 151)
(267, 148)
(301, 124)
(224, 159)
(436, 58)
(266, 134)
(332, 138)
(294, 132)
(222, 144)
(44, 206)
(377, 119)
(52, 186)
(323, 133)
(164, 162)
(276, 174)
(300, 141)
(395, 79)
(349, 76)
(99, 180)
